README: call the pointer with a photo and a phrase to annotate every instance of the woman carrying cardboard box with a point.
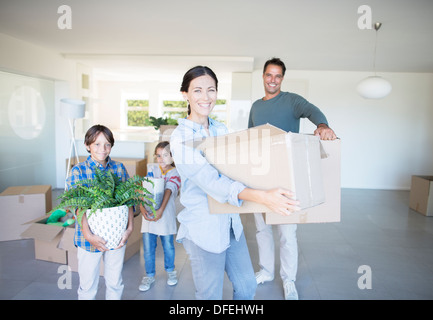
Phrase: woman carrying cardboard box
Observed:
(215, 243)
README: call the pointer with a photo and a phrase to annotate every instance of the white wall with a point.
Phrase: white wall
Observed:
(384, 141)
(23, 58)
(240, 102)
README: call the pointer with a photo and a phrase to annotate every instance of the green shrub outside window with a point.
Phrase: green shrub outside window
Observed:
(138, 113)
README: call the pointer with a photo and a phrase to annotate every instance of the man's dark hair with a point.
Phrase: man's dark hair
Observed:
(277, 62)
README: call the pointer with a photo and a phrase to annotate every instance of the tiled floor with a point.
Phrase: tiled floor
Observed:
(376, 230)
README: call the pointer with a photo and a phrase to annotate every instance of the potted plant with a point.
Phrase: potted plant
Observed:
(165, 126)
(158, 122)
(105, 201)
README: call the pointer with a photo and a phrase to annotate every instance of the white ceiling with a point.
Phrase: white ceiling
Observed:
(231, 35)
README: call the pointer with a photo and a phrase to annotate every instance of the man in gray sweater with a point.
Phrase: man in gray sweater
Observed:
(283, 110)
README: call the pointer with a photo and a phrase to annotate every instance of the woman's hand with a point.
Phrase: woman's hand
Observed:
(281, 201)
(278, 200)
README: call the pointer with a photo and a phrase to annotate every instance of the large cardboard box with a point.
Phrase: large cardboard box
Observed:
(20, 204)
(421, 195)
(267, 157)
(134, 166)
(330, 210)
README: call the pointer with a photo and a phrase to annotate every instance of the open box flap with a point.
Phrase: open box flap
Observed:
(41, 231)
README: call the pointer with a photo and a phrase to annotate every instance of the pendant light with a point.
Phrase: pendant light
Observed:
(374, 87)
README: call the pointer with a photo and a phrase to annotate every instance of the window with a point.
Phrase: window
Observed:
(179, 109)
(174, 109)
(137, 113)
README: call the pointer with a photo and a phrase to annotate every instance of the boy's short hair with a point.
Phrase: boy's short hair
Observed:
(93, 133)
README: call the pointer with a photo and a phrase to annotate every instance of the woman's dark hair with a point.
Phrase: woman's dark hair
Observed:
(93, 133)
(277, 62)
(193, 73)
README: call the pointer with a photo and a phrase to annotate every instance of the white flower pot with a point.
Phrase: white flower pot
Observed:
(110, 224)
(157, 191)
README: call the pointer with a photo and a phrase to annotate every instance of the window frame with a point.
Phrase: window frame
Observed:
(126, 108)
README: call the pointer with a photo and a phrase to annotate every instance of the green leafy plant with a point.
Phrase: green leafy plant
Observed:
(106, 190)
(158, 122)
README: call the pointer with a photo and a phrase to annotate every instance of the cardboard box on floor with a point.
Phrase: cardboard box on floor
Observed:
(56, 243)
(421, 195)
(47, 238)
(20, 204)
(267, 157)
(134, 166)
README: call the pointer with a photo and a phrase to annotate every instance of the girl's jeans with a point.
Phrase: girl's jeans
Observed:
(149, 248)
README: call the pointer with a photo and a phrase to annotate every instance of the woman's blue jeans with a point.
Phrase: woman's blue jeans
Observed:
(149, 248)
(208, 270)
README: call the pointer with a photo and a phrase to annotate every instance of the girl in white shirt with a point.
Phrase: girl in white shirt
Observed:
(163, 222)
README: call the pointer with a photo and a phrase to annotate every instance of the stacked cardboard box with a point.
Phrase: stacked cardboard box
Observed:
(421, 195)
(165, 132)
(21, 204)
(134, 166)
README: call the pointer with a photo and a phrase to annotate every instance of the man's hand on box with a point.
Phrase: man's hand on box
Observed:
(325, 132)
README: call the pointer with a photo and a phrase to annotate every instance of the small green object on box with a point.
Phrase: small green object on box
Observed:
(56, 215)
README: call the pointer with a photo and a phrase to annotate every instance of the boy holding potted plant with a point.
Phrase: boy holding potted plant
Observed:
(91, 248)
